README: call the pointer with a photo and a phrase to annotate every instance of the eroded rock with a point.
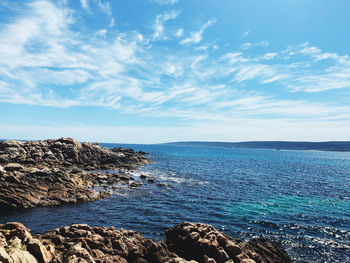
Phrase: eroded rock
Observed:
(54, 172)
(185, 243)
(204, 243)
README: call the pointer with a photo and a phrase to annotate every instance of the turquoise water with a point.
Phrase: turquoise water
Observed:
(298, 199)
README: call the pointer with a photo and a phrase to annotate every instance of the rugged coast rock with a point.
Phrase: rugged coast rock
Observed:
(204, 243)
(185, 242)
(54, 172)
(66, 152)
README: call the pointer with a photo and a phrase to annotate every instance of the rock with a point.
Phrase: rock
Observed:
(270, 252)
(67, 151)
(151, 180)
(144, 176)
(36, 248)
(17, 236)
(4, 256)
(135, 184)
(52, 172)
(77, 254)
(208, 259)
(204, 243)
(185, 243)
(13, 167)
(162, 184)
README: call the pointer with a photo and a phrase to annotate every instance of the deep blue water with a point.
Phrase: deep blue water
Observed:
(299, 199)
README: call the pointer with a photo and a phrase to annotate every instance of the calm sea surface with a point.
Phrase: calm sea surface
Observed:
(299, 199)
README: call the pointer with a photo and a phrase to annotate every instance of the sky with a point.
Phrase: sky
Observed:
(153, 71)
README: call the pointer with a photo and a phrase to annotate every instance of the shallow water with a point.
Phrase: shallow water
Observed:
(299, 199)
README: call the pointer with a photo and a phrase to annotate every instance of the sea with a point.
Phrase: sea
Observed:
(297, 199)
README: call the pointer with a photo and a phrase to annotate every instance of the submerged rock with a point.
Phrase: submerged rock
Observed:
(81, 243)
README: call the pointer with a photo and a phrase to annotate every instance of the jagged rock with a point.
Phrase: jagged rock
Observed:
(144, 176)
(52, 172)
(151, 180)
(82, 243)
(204, 243)
(67, 151)
(13, 167)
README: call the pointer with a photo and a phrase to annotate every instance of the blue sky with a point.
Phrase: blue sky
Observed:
(148, 71)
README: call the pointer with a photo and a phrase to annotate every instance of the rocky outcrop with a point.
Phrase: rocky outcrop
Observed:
(81, 243)
(68, 152)
(54, 172)
(204, 243)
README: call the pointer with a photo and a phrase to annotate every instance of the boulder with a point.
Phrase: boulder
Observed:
(204, 243)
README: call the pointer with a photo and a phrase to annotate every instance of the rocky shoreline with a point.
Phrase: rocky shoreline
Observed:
(186, 242)
(55, 172)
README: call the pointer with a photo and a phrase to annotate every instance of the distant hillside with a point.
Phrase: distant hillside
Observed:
(340, 146)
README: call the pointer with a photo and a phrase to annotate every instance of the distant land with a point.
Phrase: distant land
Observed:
(339, 146)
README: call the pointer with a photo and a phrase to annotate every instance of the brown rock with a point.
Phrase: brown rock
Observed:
(81, 243)
(4, 256)
(36, 248)
(213, 245)
(50, 172)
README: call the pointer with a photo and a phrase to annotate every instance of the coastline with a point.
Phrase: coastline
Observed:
(55, 172)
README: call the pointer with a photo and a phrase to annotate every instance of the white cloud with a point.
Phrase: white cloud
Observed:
(84, 4)
(248, 45)
(317, 71)
(252, 71)
(41, 56)
(245, 34)
(102, 33)
(105, 6)
(159, 24)
(269, 55)
(112, 23)
(165, 2)
(196, 37)
(179, 33)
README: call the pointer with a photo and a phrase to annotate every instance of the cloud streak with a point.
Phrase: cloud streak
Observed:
(121, 70)
(165, 2)
(196, 37)
(159, 24)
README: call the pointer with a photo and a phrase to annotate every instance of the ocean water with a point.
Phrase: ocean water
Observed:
(298, 199)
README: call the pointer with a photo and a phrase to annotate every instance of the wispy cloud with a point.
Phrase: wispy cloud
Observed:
(84, 4)
(248, 45)
(245, 34)
(179, 33)
(44, 60)
(159, 24)
(196, 37)
(104, 6)
(165, 2)
(317, 71)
